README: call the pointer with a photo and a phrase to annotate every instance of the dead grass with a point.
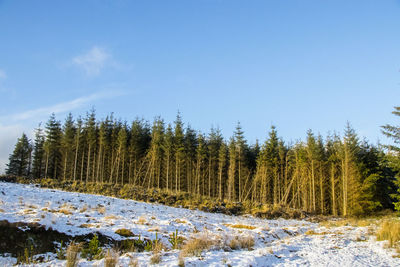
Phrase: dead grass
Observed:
(84, 208)
(65, 211)
(181, 261)
(86, 225)
(356, 222)
(1, 210)
(196, 245)
(240, 226)
(142, 220)
(312, 232)
(111, 258)
(133, 261)
(28, 211)
(180, 221)
(124, 232)
(156, 258)
(110, 217)
(389, 230)
(154, 229)
(101, 209)
(73, 255)
(240, 242)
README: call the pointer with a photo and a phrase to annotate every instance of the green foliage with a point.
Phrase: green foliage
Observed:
(19, 160)
(175, 240)
(151, 245)
(61, 252)
(93, 250)
(27, 257)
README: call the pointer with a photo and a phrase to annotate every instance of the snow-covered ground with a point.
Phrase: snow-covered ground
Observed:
(277, 242)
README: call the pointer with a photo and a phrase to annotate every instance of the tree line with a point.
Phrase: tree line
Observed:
(338, 175)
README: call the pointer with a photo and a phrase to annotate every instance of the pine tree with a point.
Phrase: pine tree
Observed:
(20, 159)
(179, 149)
(38, 154)
(168, 147)
(52, 147)
(67, 144)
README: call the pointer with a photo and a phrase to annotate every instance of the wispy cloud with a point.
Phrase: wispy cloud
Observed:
(60, 107)
(93, 61)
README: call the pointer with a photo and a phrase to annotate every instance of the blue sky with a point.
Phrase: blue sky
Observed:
(294, 64)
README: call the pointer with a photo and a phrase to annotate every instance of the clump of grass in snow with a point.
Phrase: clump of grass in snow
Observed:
(156, 258)
(142, 220)
(84, 208)
(101, 209)
(157, 249)
(124, 232)
(110, 217)
(196, 245)
(240, 242)
(133, 261)
(240, 226)
(73, 255)
(180, 221)
(181, 261)
(312, 232)
(111, 258)
(390, 230)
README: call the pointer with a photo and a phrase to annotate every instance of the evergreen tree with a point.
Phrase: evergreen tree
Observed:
(179, 149)
(67, 144)
(52, 148)
(38, 154)
(20, 159)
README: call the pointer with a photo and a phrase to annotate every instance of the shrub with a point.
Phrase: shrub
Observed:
(175, 240)
(61, 252)
(93, 251)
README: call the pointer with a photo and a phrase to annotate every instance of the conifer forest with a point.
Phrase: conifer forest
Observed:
(338, 174)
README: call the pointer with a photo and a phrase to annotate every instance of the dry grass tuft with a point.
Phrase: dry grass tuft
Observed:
(133, 261)
(111, 258)
(1, 210)
(110, 217)
(390, 230)
(73, 255)
(181, 261)
(84, 208)
(142, 220)
(124, 232)
(101, 209)
(196, 245)
(156, 258)
(240, 226)
(86, 225)
(240, 242)
(65, 211)
(312, 232)
(180, 221)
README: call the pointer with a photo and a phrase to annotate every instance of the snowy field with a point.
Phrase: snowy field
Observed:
(276, 242)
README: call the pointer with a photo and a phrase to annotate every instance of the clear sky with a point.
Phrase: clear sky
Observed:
(296, 64)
